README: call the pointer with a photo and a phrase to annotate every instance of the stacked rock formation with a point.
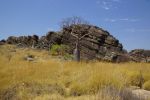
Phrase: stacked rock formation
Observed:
(98, 44)
(140, 55)
(23, 41)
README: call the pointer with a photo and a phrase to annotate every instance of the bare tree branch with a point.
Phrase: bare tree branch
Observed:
(74, 35)
(75, 20)
(83, 36)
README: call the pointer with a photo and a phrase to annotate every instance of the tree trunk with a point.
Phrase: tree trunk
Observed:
(33, 45)
(77, 52)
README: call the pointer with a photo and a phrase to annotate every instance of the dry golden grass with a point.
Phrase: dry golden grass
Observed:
(49, 78)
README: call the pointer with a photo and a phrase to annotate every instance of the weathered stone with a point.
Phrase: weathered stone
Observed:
(29, 58)
(140, 55)
(123, 58)
(89, 44)
(12, 40)
(2, 42)
(148, 59)
(51, 38)
(110, 40)
(110, 56)
(25, 41)
(98, 41)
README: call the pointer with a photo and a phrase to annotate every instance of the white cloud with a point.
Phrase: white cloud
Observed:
(110, 20)
(107, 4)
(129, 20)
(121, 20)
(105, 7)
(124, 19)
(134, 20)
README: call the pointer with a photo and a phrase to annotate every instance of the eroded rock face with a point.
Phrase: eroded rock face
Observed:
(98, 44)
(140, 55)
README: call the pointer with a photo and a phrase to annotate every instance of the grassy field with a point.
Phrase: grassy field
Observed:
(50, 78)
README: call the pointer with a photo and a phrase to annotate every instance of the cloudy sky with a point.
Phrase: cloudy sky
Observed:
(127, 20)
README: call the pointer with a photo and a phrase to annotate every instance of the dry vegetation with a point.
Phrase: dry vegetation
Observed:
(49, 78)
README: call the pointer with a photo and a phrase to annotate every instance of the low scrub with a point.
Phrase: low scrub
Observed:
(59, 50)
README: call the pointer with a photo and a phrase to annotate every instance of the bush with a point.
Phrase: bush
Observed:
(146, 85)
(68, 56)
(59, 50)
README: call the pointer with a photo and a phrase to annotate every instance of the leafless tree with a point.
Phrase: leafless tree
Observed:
(76, 32)
(75, 20)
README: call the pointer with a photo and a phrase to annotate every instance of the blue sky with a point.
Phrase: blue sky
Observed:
(127, 20)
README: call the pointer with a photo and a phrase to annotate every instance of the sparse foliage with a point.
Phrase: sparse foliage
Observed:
(59, 50)
(75, 20)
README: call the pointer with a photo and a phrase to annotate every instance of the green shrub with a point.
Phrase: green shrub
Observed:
(59, 50)
(68, 56)
(146, 85)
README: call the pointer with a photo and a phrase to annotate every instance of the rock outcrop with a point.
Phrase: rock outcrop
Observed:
(51, 38)
(98, 44)
(2, 42)
(23, 41)
(140, 55)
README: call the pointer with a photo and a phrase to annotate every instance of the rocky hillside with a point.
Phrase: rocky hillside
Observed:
(98, 44)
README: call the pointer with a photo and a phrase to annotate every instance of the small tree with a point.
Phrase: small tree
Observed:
(77, 30)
